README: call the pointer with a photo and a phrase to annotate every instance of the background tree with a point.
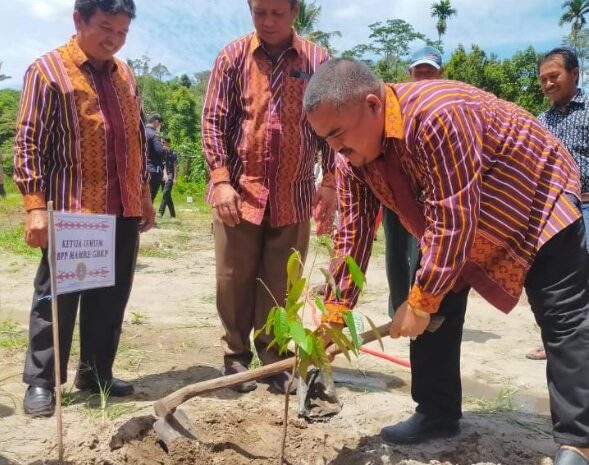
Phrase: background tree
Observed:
(159, 71)
(307, 17)
(442, 10)
(140, 66)
(391, 41)
(574, 14)
(306, 21)
(9, 101)
(514, 79)
(581, 47)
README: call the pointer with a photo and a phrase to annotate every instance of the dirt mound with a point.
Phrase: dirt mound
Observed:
(240, 433)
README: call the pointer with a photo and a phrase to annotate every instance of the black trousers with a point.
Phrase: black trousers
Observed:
(155, 183)
(557, 286)
(101, 317)
(167, 200)
(401, 258)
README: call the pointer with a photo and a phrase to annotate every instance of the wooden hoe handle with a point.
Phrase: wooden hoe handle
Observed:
(168, 404)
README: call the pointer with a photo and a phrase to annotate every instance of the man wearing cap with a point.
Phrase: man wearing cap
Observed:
(426, 63)
(493, 215)
(155, 153)
(401, 251)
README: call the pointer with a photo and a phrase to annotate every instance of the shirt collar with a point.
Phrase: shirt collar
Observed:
(297, 44)
(393, 118)
(80, 58)
(578, 100)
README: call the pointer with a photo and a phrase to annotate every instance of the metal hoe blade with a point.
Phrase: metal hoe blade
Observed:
(173, 426)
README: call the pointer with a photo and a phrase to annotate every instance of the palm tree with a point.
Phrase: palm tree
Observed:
(574, 13)
(324, 40)
(307, 18)
(442, 10)
(306, 21)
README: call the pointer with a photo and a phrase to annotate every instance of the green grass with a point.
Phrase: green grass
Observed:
(68, 397)
(137, 318)
(129, 358)
(503, 402)
(12, 240)
(99, 407)
(12, 223)
(210, 298)
(12, 336)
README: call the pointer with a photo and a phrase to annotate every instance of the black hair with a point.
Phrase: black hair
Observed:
(154, 117)
(87, 8)
(293, 3)
(569, 58)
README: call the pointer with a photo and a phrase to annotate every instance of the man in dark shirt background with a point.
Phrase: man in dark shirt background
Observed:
(155, 153)
(169, 178)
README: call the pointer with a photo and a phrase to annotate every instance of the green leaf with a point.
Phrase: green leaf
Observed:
(297, 333)
(375, 331)
(295, 292)
(309, 344)
(293, 268)
(303, 365)
(319, 357)
(281, 325)
(342, 342)
(270, 320)
(356, 272)
(293, 312)
(351, 325)
(320, 305)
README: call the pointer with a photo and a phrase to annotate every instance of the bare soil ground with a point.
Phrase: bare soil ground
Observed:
(171, 339)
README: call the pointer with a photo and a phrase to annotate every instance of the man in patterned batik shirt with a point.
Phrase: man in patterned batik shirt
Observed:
(260, 150)
(494, 199)
(80, 143)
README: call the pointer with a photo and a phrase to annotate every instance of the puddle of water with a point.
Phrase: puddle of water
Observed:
(526, 402)
(521, 401)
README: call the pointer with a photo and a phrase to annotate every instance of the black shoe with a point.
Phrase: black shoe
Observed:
(569, 457)
(235, 368)
(281, 380)
(419, 428)
(39, 401)
(115, 387)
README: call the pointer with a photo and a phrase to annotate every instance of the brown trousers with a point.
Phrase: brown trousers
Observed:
(243, 254)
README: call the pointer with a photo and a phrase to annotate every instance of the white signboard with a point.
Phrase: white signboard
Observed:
(84, 251)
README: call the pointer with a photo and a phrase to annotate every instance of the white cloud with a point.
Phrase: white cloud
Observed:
(186, 35)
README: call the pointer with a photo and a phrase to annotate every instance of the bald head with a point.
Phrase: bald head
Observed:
(339, 82)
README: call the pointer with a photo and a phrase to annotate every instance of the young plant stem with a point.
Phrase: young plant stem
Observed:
(269, 291)
(286, 404)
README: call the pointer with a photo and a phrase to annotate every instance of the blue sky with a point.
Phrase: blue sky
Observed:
(185, 35)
